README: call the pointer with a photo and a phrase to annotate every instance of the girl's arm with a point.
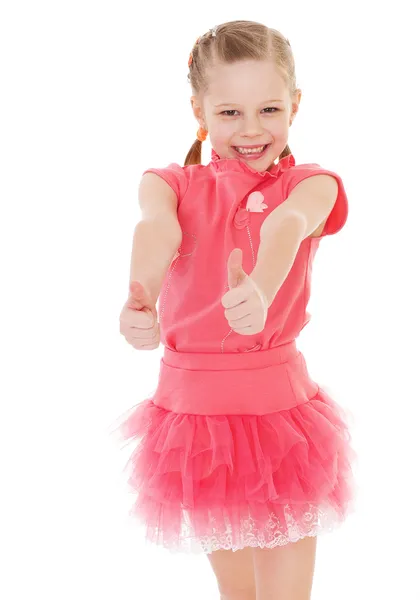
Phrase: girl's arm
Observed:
(157, 236)
(282, 232)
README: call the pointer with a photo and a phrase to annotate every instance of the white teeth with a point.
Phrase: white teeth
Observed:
(250, 150)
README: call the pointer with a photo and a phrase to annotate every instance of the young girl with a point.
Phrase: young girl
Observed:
(240, 454)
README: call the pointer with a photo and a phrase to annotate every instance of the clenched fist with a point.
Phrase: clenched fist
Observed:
(138, 320)
(246, 305)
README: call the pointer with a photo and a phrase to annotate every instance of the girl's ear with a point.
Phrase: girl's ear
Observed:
(198, 113)
(295, 103)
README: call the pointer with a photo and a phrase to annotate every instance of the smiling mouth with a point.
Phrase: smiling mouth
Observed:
(251, 150)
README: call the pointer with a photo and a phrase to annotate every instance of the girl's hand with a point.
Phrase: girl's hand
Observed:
(138, 319)
(246, 305)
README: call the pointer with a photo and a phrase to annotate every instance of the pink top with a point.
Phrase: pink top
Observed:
(221, 206)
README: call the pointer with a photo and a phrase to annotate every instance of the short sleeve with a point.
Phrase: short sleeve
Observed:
(338, 216)
(175, 176)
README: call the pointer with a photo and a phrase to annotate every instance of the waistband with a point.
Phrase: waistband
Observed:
(248, 383)
(202, 361)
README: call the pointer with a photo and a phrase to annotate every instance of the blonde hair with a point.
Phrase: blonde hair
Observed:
(235, 41)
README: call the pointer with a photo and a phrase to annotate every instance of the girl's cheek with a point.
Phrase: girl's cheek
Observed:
(279, 128)
(220, 142)
(221, 134)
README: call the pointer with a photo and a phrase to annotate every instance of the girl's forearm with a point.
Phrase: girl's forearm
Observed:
(155, 243)
(279, 244)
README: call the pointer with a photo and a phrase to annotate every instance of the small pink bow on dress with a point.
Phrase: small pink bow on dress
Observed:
(255, 203)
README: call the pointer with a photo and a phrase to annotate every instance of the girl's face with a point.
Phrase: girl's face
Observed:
(247, 111)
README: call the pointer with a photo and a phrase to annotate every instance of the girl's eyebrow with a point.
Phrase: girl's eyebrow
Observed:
(234, 104)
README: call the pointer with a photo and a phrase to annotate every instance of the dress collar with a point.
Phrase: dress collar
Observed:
(235, 164)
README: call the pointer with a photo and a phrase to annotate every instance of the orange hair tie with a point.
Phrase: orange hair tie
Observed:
(201, 134)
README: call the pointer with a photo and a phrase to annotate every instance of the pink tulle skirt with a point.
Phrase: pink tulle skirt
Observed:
(237, 450)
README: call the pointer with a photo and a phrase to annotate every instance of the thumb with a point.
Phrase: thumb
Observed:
(236, 274)
(139, 299)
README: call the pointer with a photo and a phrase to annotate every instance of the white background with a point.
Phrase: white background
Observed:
(93, 93)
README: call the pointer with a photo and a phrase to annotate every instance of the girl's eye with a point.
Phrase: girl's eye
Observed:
(271, 109)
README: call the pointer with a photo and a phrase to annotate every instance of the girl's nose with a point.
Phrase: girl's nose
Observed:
(251, 127)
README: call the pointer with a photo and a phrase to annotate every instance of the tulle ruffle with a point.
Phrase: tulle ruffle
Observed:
(203, 483)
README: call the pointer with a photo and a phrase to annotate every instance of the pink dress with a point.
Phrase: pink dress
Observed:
(237, 446)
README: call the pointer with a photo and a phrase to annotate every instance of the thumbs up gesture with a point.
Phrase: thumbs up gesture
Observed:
(138, 319)
(246, 305)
